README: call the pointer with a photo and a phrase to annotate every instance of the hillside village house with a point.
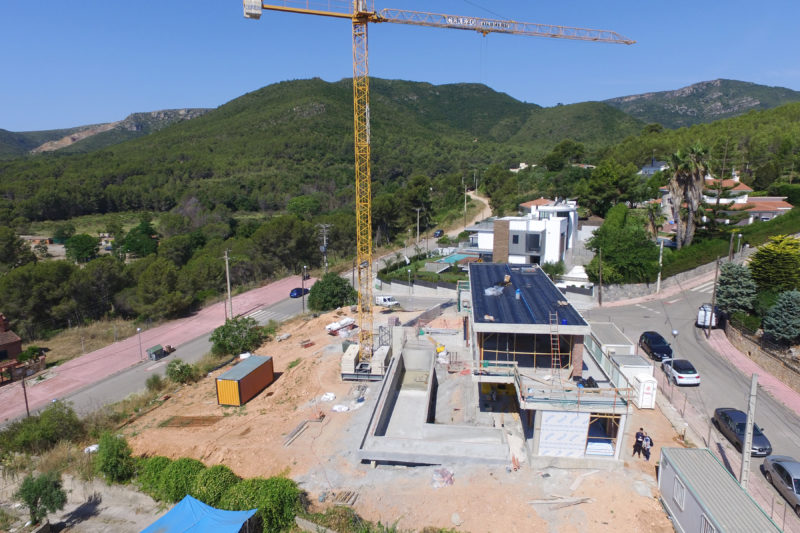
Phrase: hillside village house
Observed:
(737, 195)
(542, 235)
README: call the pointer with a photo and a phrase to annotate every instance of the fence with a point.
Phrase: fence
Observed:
(759, 489)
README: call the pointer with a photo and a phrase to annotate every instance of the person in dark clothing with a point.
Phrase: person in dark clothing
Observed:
(637, 443)
(647, 443)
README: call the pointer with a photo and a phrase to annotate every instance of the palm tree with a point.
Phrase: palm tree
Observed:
(655, 217)
(688, 172)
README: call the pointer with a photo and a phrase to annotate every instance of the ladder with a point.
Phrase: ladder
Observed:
(555, 347)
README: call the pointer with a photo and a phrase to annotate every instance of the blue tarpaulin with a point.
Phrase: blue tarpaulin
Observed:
(190, 514)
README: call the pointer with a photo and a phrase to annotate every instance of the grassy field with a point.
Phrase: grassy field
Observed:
(77, 341)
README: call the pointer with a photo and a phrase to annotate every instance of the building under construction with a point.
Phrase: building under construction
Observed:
(530, 392)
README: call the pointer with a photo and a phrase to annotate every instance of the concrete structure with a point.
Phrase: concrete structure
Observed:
(699, 494)
(543, 235)
(653, 167)
(10, 343)
(527, 336)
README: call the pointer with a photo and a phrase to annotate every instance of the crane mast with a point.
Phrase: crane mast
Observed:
(360, 14)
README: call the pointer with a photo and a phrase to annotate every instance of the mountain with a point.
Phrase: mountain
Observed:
(92, 137)
(293, 138)
(703, 102)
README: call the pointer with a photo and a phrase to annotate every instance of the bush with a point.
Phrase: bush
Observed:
(41, 432)
(237, 335)
(154, 383)
(211, 484)
(747, 321)
(178, 479)
(114, 458)
(330, 292)
(181, 372)
(149, 474)
(42, 494)
(277, 500)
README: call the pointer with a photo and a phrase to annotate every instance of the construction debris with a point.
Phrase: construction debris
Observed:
(559, 502)
(301, 427)
(442, 477)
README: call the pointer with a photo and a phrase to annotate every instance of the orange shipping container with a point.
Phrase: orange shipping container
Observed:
(244, 381)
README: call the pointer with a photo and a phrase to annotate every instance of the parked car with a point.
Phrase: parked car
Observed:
(297, 292)
(668, 242)
(438, 233)
(784, 474)
(731, 423)
(680, 371)
(655, 346)
(706, 318)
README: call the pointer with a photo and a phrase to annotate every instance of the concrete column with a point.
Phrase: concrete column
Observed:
(577, 356)
(537, 431)
(500, 242)
(623, 424)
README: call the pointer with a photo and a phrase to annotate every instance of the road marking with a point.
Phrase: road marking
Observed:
(264, 316)
(648, 309)
(153, 367)
(707, 287)
(675, 300)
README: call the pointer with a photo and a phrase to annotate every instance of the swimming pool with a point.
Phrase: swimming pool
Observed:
(455, 258)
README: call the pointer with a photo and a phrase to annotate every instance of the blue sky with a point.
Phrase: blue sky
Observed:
(66, 64)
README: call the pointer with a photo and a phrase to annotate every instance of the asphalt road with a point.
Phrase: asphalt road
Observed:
(722, 384)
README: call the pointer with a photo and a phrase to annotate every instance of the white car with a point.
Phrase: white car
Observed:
(680, 371)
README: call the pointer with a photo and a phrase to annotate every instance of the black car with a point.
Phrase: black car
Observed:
(732, 422)
(655, 346)
(438, 233)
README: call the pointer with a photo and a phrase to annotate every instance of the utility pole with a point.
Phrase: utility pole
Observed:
(228, 279)
(465, 208)
(660, 261)
(713, 301)
(418, 210)
(324, 247)
(600, 278)
(303, 288)
(25, 393)
(744, 475)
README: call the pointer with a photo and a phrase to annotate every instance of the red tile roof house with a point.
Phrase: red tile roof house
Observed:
(10, 347)
(761, 208)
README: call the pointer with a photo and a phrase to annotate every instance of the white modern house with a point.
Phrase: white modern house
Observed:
(542, 235)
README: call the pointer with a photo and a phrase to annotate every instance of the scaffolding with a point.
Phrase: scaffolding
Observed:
(525, 349)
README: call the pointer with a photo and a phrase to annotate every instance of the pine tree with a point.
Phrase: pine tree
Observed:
(783, 319)
(776, 264)
(736, 289)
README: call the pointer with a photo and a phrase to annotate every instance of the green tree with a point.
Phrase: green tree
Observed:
(179, 478)
(114, 459)
(42, 494)
(141, 240)
(782, 321)
(688, 170)
(330, 292)
(63, 232)
(736, 290)
(93, 287)
(14, 252)
(180, 371)
(157, 291)
(237, 335)
(303, 206)
(776, 265)
(82, 247)
(629, 254)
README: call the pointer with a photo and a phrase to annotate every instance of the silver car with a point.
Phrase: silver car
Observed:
(784, 473)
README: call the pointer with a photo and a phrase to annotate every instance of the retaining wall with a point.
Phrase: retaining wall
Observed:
(785, 370)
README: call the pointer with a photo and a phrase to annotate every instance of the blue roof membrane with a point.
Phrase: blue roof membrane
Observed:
(538, 296)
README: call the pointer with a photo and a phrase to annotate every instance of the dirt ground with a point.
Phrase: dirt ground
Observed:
(251, 440)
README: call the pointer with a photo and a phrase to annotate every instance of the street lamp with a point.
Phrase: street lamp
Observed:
(739, 243)
(139, 333)
(672, 359)
(409, 280)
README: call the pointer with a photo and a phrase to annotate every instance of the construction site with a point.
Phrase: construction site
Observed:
(489, 390)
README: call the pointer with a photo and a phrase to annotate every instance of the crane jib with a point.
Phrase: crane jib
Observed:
(479, 23)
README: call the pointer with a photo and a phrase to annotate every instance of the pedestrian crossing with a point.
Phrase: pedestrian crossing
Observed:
(707, 287)
(263, 316)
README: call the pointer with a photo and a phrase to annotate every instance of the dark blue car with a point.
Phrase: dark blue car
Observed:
(297, 292)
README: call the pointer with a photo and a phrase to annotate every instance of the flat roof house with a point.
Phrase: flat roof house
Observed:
(527, 339)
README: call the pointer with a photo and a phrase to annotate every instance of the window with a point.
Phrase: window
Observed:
(679, 493)
(533, 242)
(706, 526)
(515, 239)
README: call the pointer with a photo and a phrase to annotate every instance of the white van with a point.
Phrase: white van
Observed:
(386, 301)
(706, 317)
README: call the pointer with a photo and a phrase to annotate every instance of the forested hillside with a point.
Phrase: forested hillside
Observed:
(703, 102)
(295, 138)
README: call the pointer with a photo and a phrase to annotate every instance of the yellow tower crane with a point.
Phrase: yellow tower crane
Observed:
(360, 13)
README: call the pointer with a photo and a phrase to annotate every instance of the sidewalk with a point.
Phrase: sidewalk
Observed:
(95, 366)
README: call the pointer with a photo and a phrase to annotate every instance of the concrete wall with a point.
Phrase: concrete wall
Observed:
(418, 355)
(392, 386)
(400, 288)
(500, 245)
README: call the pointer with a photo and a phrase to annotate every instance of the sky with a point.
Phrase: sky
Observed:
(67, 64)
